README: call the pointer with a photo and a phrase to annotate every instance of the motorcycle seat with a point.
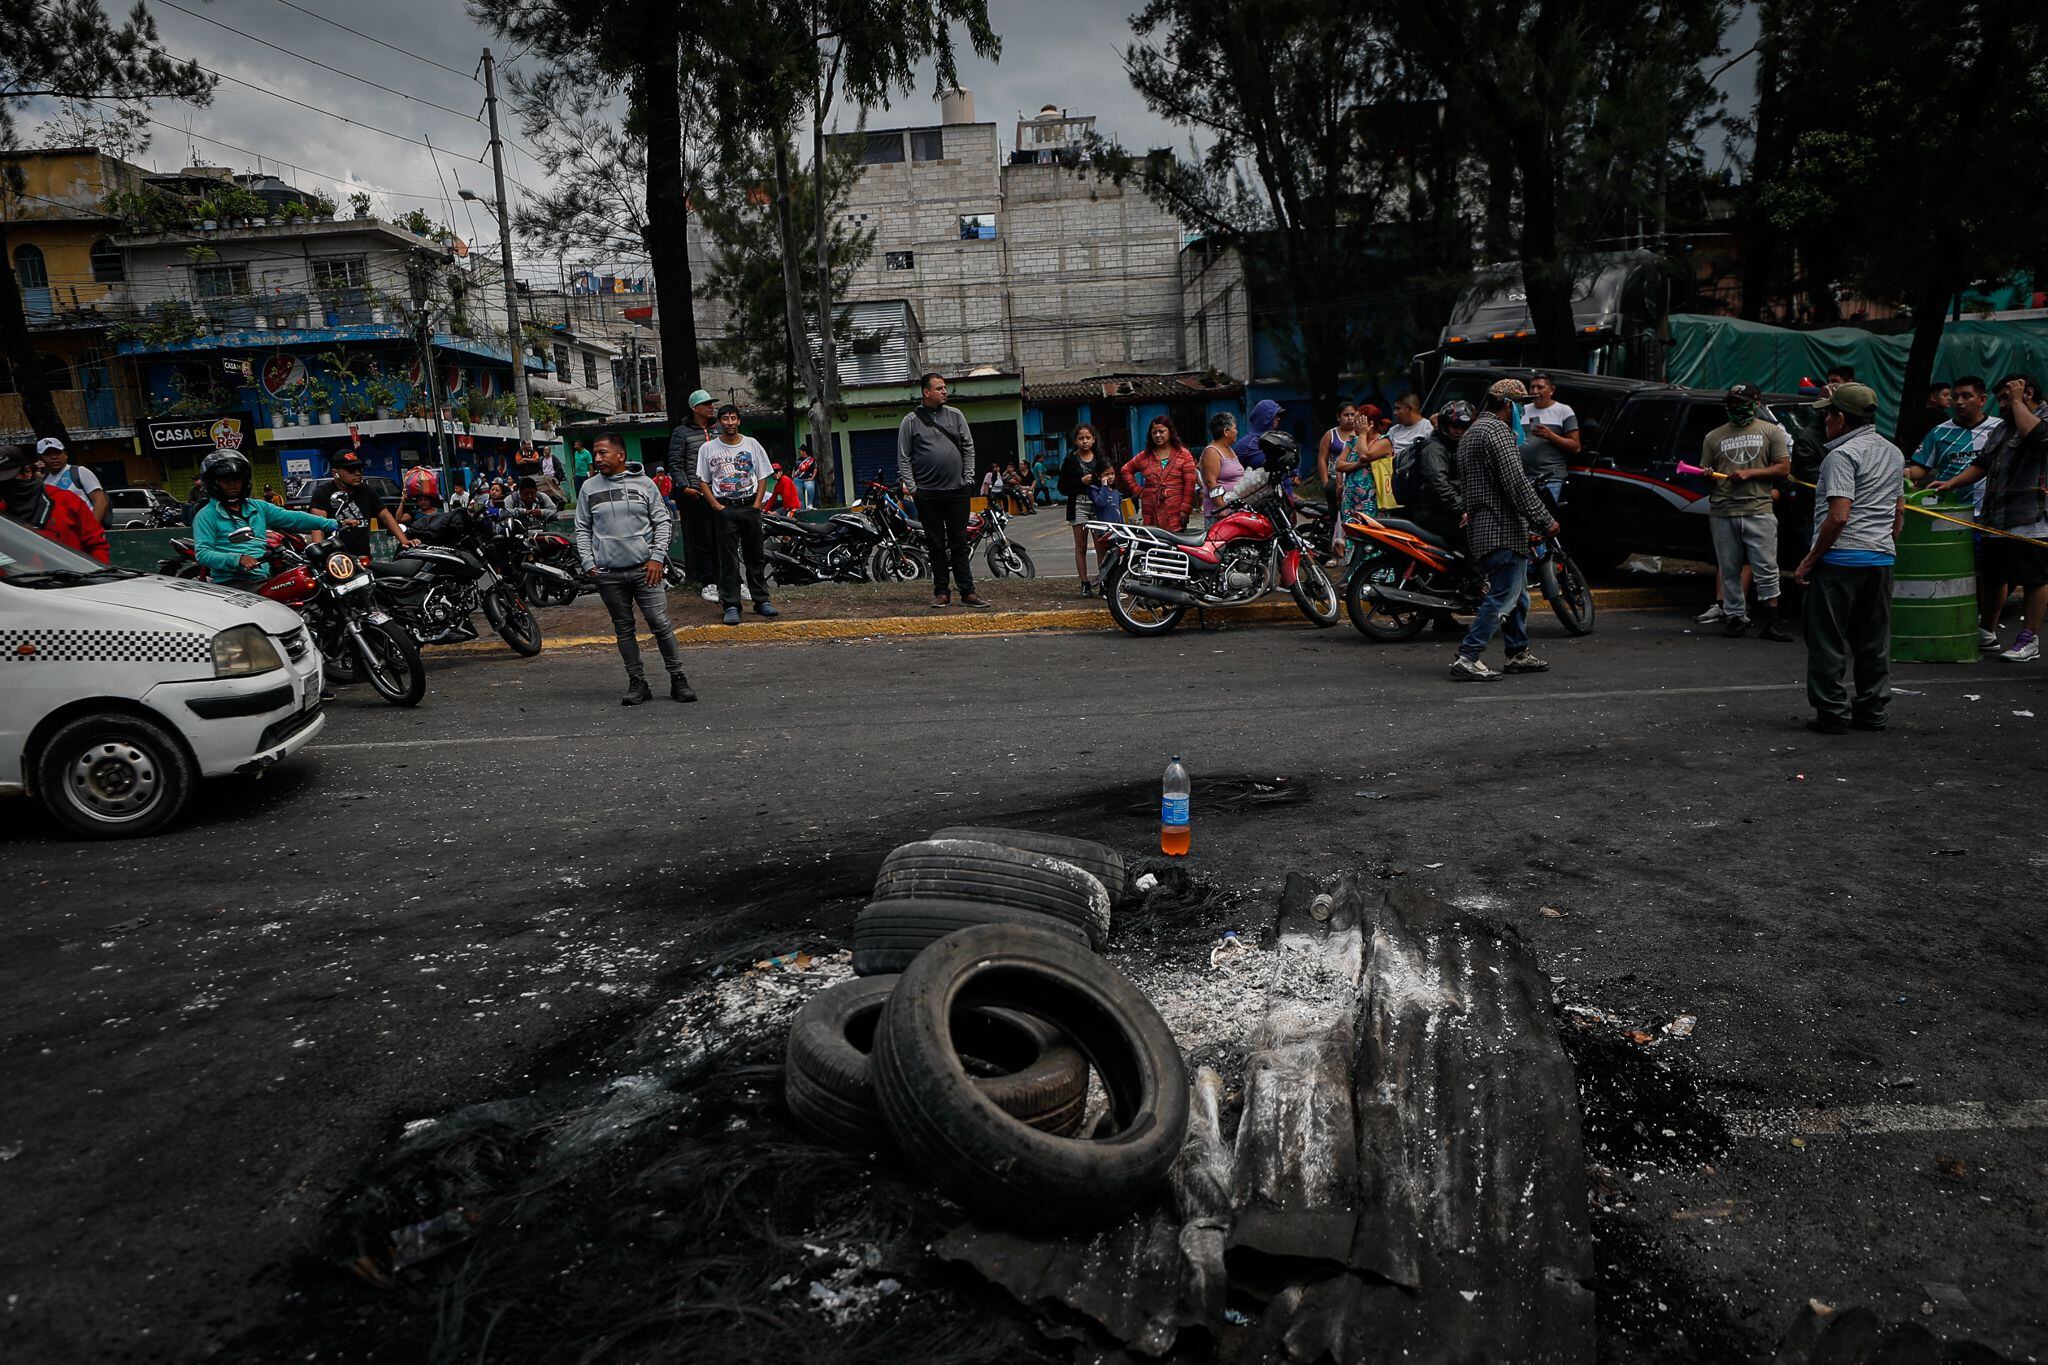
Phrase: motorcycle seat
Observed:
(790, 526)
(1179, 537)
(1418, 530)
(398, 568)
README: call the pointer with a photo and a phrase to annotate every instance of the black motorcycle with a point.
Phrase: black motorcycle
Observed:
(470, 562)
(358, 639)
(836, 550)
(899, 554)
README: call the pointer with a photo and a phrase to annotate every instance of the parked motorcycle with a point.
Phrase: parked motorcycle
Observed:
(1249, 550)
(470, 562)
(838, 549)
(900, 555)
(1006, 558)
(334, 591)
(1406, 575)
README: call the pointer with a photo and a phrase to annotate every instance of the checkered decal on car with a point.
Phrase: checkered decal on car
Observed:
(52, 646)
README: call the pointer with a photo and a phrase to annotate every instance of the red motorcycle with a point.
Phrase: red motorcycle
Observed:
(336, 594)
(1252, 548)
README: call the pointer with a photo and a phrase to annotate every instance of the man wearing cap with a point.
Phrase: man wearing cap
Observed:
(733, 472)
(2014, 467)
(1745, 458)
(50, 512)
(59, 472)
(1501, 507)
(1858, 505)
(700, 513)
(354, 502)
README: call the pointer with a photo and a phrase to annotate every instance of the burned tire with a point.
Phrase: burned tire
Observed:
(971, 870)
(1000, 1169)
(1101, 861)
(1022, 1065)
(888, 934)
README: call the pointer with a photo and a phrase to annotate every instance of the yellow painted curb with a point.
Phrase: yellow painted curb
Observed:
(959, 621)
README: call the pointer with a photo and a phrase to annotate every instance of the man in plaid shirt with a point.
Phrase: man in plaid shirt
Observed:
(1501, 507)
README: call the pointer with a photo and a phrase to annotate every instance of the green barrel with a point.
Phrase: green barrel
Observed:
(1934, 584)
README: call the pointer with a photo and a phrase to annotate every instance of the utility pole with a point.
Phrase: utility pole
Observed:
(523, 404)
(633, 375)
(422, 263)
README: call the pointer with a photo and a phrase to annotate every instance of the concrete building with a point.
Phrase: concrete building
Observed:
(74, 287)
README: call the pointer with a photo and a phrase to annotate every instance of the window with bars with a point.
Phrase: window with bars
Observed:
(222, 281)
(339, 272)
(589, 370)
(107, 265)
(562, 362)
(899, 260)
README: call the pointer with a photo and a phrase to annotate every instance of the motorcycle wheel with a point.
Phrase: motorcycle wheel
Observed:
(513, 620)
(1315, 594)
(896, 564)
(674, 575)
(1373, 619)
(1567, 591)
(1011, 561)
(388, 659)
(1137, 615)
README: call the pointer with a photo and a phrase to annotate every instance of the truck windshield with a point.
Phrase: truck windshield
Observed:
(29, 561)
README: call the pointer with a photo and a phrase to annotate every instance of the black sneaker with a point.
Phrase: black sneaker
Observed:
(1525, 662)
(1826, 726)
(1774, 629)
(1877, 725)
(679, 689)
(1735, 627)
(636, 692)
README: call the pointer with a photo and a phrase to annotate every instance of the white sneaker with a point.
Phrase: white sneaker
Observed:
(710, 593)
(1711, 615)
(1471, 670)
(1987, 639)
(2024, 650)
(745, 596)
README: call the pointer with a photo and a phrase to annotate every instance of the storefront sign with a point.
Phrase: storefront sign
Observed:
(198, 435)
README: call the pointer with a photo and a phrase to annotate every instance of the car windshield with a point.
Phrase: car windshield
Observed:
(29, 561)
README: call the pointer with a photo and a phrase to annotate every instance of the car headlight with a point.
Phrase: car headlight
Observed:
(241, 651)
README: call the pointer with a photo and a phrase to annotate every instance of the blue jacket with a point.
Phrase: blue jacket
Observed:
(213, 527)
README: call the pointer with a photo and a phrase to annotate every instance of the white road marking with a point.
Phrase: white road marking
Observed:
(1505, 690)
(1962, 1116)
(431, 743)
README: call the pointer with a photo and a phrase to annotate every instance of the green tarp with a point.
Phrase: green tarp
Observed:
(1713, 353)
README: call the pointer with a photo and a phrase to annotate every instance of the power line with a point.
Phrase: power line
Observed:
(274, 47)
(378, 41)
(314, 108)
(303, 170)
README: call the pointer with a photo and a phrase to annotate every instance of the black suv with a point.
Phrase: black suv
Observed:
(1626, 494)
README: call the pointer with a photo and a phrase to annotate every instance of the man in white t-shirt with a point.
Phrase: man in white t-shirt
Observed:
(1550, 432)
(59, 472)
(734, 472)
(1410, 426)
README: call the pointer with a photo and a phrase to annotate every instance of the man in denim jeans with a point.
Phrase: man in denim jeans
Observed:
(622, 539)
(1501, 507)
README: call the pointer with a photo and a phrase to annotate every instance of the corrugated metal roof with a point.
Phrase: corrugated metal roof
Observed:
(1132, 388)
(876, 342)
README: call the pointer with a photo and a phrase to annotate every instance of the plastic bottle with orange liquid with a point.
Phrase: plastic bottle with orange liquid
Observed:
(1175, 794)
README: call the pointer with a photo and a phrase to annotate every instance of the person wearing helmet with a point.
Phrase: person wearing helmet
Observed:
(233, 530)
(1502, 510)
(1439, 504)
(51, 512)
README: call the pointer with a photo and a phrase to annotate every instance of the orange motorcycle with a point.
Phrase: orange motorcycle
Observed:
(1404, 575)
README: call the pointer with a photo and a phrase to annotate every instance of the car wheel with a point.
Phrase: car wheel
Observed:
(965, 870)
(1001, 1169)
(1024, 1066)
(114, 776)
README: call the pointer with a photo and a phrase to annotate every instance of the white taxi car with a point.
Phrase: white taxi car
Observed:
(120, 690)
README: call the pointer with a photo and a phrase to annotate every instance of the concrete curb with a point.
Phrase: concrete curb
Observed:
(957, 621)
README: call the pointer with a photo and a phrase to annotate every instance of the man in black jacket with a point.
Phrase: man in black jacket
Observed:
(935, 464)
(1439, 502)
(700, 516)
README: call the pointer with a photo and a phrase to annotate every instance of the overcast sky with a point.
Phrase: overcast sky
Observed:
(1062, 52)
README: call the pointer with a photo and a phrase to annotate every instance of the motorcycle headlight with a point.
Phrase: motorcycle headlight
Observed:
(241, 651)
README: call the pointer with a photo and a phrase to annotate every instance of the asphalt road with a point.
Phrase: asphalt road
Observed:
(208, 1034)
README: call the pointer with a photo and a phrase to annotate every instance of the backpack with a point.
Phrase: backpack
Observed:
(1408, 473)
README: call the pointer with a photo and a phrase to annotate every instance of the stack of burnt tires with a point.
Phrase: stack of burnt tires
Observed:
(979, 1014)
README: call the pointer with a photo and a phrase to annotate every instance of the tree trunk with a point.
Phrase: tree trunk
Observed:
(828, 350)
(668, 221)
(19, 349)
(793, 317)
(1930, 315)
(1546, 275)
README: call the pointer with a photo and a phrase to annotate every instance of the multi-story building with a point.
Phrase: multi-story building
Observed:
(300, 333)
(74, 287)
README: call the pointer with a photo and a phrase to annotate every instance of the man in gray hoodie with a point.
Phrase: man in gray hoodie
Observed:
(935, 464)
(622, 539)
